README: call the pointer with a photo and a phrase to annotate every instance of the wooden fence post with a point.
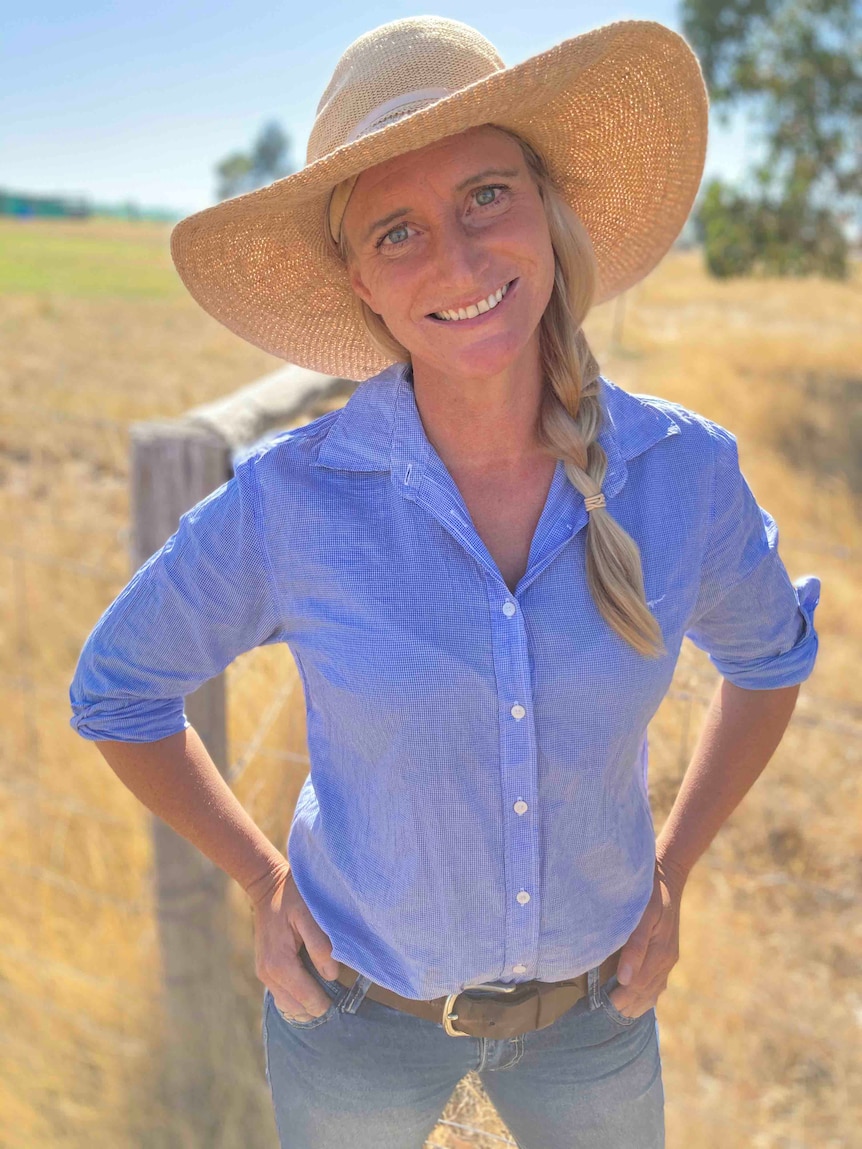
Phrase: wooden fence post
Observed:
(174, 464)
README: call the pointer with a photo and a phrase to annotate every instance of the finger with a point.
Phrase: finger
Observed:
(640, 996)
(642, 955)
(291, 1010)
(299, 991)
(644, 982)
(652, 976)
(295, 1009)
(632, 1005)
(635, 950)
(312, 945)
(631, 959)
(319, 949)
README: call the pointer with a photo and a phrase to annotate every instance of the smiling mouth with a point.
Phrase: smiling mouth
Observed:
(476, 311)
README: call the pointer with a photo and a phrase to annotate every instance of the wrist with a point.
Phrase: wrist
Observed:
(264, 885)
(675, 876)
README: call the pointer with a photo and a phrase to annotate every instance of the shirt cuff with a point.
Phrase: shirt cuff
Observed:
(139, 721)
(788, 667)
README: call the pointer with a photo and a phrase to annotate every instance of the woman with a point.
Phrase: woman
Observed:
(485, 565)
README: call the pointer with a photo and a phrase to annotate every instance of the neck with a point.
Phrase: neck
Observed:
(483, 424)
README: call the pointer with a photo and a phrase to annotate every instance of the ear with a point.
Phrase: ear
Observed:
(358, 285)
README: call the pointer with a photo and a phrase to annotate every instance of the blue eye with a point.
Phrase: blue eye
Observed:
(490, 188)
(488, 191)
(400, 227)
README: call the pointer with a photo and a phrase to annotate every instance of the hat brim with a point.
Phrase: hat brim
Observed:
(620, 115)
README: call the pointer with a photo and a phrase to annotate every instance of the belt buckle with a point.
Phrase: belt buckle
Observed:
(486, 987)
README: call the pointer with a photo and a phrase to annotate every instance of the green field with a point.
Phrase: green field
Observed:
(87, 257)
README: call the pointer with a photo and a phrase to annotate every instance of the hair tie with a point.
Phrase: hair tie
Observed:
(594, 501)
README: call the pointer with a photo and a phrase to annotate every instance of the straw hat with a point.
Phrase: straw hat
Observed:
(618, 113)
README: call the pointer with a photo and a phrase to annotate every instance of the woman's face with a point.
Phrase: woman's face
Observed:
(443, 228)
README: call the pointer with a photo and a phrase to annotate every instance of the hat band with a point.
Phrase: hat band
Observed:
(376, 119)
(395, 108)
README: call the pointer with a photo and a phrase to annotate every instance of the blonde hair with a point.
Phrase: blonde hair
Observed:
(571, 416)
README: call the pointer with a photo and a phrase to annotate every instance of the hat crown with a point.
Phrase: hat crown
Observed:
(394, 70)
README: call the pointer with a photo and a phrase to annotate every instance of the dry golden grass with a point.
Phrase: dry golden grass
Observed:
(761, 1021)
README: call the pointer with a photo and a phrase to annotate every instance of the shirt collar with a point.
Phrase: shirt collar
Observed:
(380, 429)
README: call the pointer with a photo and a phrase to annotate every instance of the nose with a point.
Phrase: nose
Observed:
(460, 260)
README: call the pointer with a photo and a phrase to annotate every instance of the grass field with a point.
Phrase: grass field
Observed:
(760, 1024)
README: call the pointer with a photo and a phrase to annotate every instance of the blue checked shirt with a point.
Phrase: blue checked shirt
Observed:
(477, 807)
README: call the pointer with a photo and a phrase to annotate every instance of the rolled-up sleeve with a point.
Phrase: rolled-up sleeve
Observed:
(206, 596)
(754, 623)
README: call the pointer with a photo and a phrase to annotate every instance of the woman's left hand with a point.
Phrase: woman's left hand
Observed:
(652, 950)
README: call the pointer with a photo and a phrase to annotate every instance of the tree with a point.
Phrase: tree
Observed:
(268, 160)
(796, 65)
(790, 238)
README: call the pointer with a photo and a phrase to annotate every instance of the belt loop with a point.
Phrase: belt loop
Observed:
(356, 994)
(593, 983)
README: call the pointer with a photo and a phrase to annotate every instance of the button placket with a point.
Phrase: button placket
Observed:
(518, 762)
(511, 660)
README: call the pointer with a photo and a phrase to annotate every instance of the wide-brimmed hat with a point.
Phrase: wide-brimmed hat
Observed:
(619, 115)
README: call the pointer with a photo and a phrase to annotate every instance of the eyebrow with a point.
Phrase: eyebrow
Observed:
(386, 219)
(509, 173)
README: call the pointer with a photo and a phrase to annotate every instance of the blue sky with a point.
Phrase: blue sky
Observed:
(119, 101)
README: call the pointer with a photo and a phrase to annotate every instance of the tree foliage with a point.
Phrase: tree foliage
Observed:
(796, 66)
(268, 160)
(740, 235)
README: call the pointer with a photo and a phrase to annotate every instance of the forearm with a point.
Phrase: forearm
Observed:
(740, 733)
(178, 781)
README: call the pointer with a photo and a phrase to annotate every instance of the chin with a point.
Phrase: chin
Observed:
(479, 359)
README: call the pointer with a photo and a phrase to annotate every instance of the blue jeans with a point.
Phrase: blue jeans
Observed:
(373, 1077)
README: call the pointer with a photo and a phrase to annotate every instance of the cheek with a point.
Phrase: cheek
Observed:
(531, 250)
(544, 256)
(392, 288)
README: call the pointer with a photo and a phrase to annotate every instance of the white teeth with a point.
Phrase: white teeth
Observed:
(475, 309)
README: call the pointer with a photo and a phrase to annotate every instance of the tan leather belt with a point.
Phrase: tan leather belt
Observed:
(493, 1010)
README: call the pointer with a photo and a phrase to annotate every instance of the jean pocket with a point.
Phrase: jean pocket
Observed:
(609, 1007)
(333, 988)
(313, 1022)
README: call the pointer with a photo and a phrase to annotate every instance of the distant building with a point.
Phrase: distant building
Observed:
(27, 204)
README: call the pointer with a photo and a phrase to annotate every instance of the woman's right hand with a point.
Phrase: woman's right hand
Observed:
(282, 923)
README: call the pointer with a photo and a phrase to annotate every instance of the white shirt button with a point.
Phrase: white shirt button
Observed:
(508, 609)
(518, 711)
(522, 896)
(519, 969)
(520, 806)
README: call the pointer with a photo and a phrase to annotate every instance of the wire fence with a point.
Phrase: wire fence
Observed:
(30, 801)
